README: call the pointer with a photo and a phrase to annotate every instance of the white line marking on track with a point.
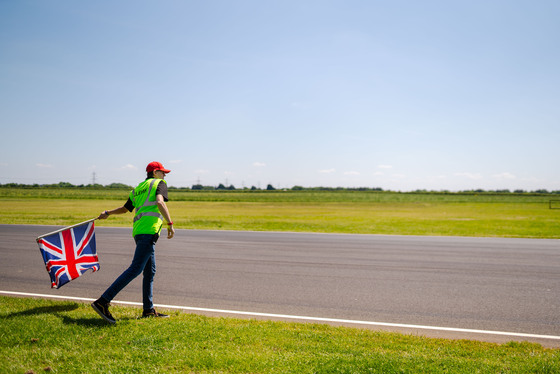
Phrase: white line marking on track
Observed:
(303, 318)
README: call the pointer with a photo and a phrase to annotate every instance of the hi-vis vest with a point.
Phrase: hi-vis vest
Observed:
(147, 219)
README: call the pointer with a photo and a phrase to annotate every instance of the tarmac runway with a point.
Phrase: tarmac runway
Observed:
(432, 286)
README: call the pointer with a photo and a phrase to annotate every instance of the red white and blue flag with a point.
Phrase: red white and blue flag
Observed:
(69, 253)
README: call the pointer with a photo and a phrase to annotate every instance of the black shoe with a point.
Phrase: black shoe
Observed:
(152, 313)
(102, 309)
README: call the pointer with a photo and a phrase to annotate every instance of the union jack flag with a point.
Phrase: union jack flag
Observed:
(69, 253)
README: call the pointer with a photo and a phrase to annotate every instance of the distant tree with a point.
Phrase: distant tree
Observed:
(118, 185)
(253, 188)
(270, 188)
(63, 185)
(297, 188)
(221, 187)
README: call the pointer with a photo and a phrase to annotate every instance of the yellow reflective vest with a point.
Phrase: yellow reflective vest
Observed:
(147, 218)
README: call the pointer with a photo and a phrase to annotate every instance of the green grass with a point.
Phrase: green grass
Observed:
(68, 337)
(358, 212)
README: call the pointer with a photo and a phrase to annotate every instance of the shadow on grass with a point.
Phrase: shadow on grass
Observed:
(52, 309)
(60, 311)
(85, 322)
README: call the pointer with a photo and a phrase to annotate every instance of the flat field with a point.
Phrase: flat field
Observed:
(358, 212)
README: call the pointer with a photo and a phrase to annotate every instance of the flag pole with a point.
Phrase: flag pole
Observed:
(66, 228)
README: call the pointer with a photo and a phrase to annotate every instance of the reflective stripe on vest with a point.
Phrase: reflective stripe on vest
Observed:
(144, 214)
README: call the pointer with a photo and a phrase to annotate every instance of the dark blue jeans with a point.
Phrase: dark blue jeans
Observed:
(144, 261)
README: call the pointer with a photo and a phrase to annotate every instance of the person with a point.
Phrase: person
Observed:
(148, 198)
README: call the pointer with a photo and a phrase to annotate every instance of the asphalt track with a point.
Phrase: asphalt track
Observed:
(489, 289)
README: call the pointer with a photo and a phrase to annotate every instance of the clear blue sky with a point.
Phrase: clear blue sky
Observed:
(401, 95)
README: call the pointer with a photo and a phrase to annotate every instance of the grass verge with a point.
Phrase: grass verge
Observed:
(68, 337)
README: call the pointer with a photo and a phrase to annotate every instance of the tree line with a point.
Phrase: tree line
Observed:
(270, 187)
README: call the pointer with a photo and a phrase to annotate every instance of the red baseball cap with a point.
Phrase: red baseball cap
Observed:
(154, 165)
